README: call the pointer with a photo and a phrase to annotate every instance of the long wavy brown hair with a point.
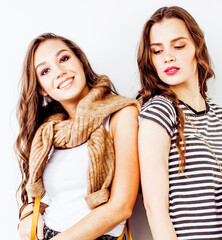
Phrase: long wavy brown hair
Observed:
(31, 112)
(151, 84)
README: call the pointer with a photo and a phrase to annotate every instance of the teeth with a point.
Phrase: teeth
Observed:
(65, 83)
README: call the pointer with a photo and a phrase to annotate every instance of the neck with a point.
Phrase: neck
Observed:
(70, 109)
(191, 96)
(71, 105)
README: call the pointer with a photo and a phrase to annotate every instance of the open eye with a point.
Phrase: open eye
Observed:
(44, 72)
(64, 59)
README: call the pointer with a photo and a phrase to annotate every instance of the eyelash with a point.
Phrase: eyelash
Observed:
(157, 52)
(64, 57)
(179, 47)
(176, 47)
(43, 72)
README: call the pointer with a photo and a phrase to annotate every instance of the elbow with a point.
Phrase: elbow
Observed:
(148, 208)
(154, 210)
(127, 212)
(151, 208)
(124, 211)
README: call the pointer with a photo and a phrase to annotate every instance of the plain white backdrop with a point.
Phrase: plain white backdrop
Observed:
(108, 32)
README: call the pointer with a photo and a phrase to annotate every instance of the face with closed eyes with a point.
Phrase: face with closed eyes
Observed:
(60, 73)
(173, 53)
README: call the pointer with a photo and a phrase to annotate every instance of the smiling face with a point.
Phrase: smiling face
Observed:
(59, 72)
(173, 53)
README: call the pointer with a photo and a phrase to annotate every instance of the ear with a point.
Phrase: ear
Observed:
(42, 92)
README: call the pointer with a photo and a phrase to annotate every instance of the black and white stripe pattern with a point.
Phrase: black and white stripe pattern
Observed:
(195, 197)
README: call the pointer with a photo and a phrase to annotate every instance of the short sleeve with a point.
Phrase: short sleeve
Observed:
(160, 110)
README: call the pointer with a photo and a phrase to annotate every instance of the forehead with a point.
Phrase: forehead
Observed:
(167, 30)
(48, 49)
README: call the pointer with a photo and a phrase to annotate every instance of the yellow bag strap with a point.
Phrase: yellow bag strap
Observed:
(127, 225)
(35, 217)
(128, 230)
(122, 234)
(35, 221)
(35, 214)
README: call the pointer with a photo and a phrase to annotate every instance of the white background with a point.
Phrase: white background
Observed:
(108, 32)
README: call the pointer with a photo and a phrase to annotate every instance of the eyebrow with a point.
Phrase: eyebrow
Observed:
(56, 55)
(172, 41)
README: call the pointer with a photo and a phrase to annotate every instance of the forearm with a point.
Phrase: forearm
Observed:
(161, 226)
(97, 223)
(124, 185)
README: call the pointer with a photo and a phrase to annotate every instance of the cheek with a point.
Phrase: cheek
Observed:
(192, 63)
(157, 63)
(45, 84)
(189, 57)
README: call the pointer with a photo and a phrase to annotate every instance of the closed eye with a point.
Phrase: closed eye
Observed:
(157, 52)
(179, 47)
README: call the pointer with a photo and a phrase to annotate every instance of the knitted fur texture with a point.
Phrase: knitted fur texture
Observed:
(87, 125)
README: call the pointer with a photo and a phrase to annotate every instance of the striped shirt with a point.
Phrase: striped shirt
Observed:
(195, 197)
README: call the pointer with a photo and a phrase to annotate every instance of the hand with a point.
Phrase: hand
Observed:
(25, 224)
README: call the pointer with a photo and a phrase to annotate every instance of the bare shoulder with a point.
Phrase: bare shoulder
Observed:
(124, 119)
(127, 111)
(126, 114)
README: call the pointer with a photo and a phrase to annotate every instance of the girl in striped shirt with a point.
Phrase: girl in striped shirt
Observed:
(180, 136)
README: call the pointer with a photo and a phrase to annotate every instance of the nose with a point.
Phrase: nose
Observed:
(169, 58)
(59, 71)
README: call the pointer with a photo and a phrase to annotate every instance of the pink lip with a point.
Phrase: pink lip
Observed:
(171, 70)
(67, 86)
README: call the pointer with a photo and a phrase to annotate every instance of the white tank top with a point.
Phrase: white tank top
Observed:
(65, 182)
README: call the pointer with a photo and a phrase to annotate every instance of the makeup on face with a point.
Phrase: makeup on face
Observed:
(173, 52)
(60, 72)
(172, 70)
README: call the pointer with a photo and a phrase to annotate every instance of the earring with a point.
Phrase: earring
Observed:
(46, 100)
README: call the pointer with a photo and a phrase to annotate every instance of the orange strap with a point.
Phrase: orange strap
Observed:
(128, 231)
(35, 214)
(122, 234)
(35, 217)
(35, 221)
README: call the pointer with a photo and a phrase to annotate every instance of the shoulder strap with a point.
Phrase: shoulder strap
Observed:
(129, 230)
(35, 221)
(35, 217)
(127, 225)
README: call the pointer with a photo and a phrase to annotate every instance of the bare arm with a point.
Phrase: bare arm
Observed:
(124, 131)
(24, 227)
(154, 146)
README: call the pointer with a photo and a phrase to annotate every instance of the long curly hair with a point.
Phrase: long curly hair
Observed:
(151, 84)
(31, 112)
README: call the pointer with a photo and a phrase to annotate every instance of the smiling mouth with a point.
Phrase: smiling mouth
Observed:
(66, 83)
